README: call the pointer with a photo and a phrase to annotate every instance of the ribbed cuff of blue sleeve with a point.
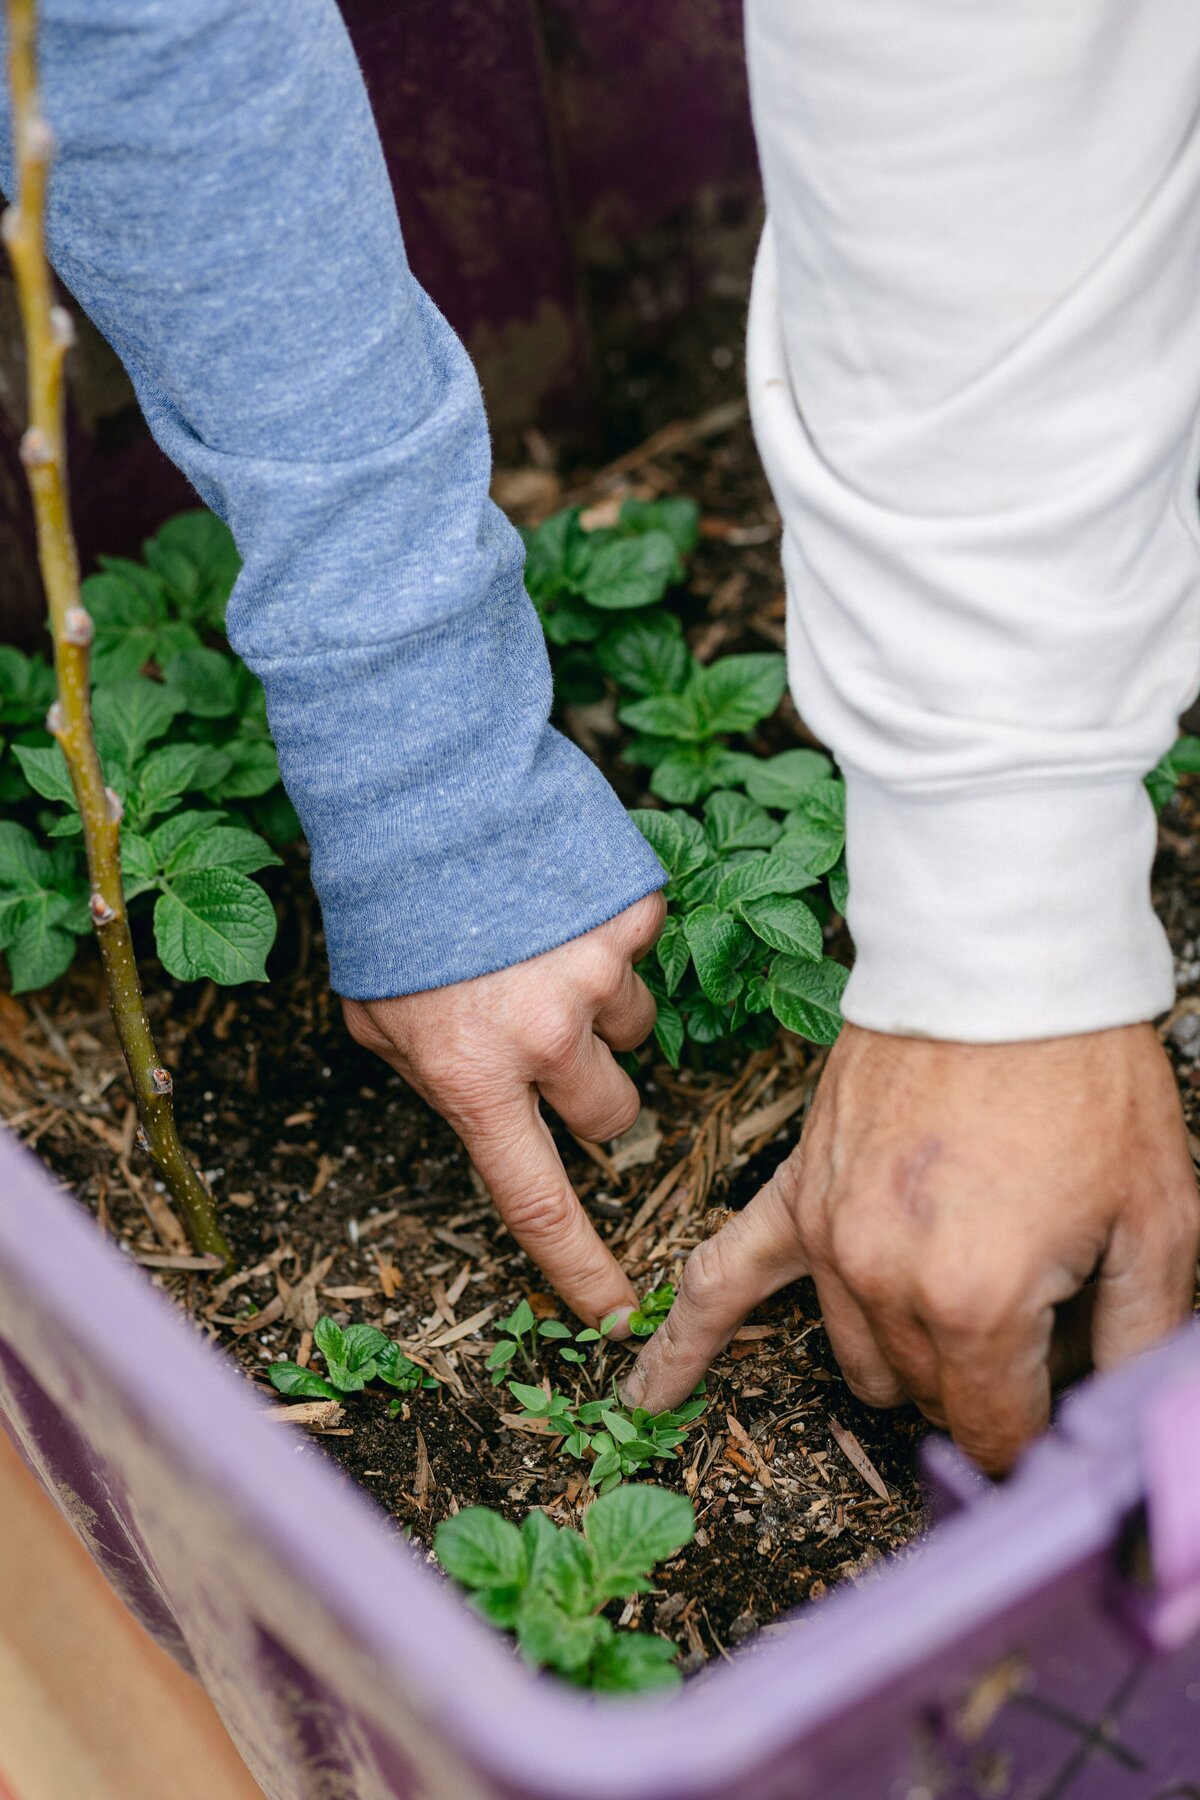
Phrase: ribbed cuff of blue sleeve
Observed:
(452, 830)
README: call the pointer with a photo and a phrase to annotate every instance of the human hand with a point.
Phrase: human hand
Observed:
(481, 1052)
(946, 1198)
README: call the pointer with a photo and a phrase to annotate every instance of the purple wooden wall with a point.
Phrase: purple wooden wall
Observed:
(571, 175)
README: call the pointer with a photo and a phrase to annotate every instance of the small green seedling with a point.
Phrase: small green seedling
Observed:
(520, 1329)
(549, 1584)
(653, 1310)
(523, 1336)
(620, 1442)
(353, 1357)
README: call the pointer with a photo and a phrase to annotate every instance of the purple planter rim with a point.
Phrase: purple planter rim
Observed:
(1061, 1511)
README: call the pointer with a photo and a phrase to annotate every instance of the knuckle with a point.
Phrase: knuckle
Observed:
(859, 1257)
(705, 1275)
(559, 1038)
(621, 1114)
(654, 914)
(873, 1390)
(976, 1304)
(361, 1026)
(545, 1214)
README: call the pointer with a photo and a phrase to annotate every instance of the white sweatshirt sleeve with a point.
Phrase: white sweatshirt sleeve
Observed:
(974, 370)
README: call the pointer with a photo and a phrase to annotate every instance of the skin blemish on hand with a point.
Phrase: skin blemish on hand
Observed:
(910, 1173)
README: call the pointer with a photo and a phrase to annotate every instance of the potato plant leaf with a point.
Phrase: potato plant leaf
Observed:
(717, 942)
(806, 996)
(216, 923)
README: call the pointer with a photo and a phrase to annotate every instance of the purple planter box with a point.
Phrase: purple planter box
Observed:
(1009, 1656)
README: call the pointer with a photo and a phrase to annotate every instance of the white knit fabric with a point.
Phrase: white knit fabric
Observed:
(974, 369)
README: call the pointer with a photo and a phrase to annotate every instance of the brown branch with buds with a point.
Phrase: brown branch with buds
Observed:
(49, 333)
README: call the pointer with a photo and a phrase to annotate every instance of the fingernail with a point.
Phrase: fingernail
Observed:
(618, 1331)
(632, 1388)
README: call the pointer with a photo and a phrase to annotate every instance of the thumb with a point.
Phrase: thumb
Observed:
(725, 1277)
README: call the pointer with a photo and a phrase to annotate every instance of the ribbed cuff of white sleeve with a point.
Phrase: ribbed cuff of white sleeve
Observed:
(997, 916)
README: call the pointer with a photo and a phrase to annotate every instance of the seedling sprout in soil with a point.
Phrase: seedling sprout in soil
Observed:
(353, 1357)
(549, 1585)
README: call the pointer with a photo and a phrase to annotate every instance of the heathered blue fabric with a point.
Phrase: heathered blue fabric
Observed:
(221, 210)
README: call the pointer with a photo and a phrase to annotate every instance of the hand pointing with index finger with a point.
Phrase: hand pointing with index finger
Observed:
(485, 1051)
(948, 1200)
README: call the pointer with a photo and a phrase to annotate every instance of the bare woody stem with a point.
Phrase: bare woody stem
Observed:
(49, 333)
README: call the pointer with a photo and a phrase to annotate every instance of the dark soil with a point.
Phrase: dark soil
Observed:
(342, 1193)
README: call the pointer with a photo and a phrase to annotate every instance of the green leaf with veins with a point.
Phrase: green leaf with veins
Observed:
(215, 923)
(566, 1569)
(127, 618)
(814, 843)
(167, 838)
(676, 839)
(673, 953)
(195, 557)
(482, 1550)
(675, 715)
(165, 775)
(780, 781)
(46, 772)
(253, 769)
(757, 877)
(806, 996)
(784, 924)
(351, 1355)
(538, 1534)
(735, 692)
(645, 655)
(206, 682)
(690, 771)
(625, 573)
(223, 846)
(733, 822)
(129, 715)
(554, 552)
(718, 942)
(26, 687)
(632, 1529)
(139, 864)
(668, 1031)
(566, 619)
(289, 1379)
(400, 1371)
(40, 944)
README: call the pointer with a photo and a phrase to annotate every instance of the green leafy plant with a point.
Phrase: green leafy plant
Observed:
(652, 1310)
(752, 844)
(619, 1442)
(181, 730)
(354, 1355)
(744, 934)
(1183, 758)
(585, 584)
(549, 1585)
(521, 1335)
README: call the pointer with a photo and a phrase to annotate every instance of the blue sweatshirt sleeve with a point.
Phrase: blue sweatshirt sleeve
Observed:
(220, 209)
